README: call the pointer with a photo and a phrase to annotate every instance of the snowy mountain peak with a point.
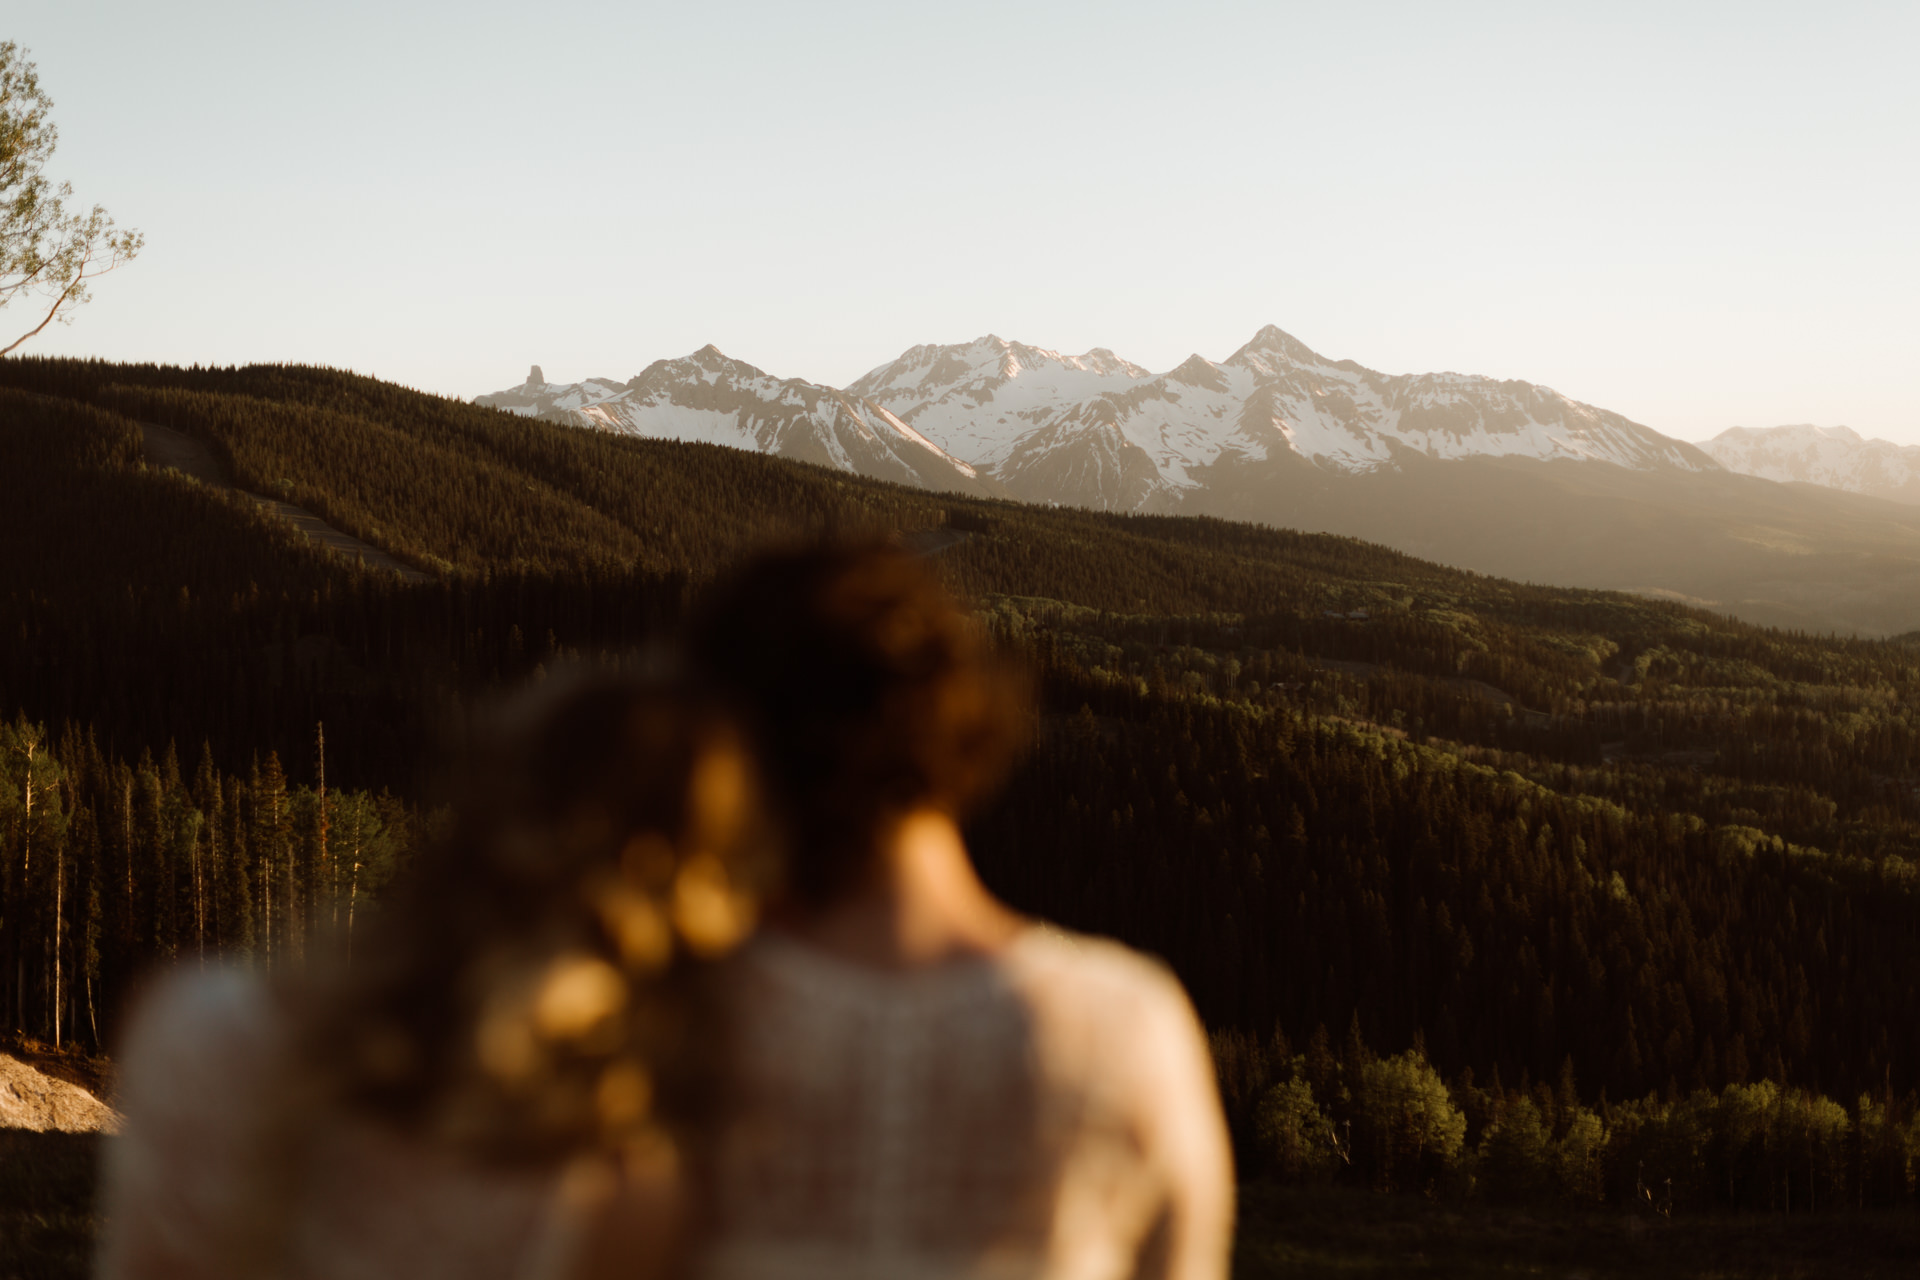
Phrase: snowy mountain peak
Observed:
(535, 379)
(1837, 457)
(709, 364)
(714, 360)
(1275, 341)
(1802, 434)
(996, 357)
(1198, 371)
(983, 397)
(1103, 360)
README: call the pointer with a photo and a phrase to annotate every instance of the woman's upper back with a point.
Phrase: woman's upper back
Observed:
(1048, 1111)
(213, 1176)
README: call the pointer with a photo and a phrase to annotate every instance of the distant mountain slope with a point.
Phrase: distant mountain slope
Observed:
(1837, 457)
(1794, 556)
(711, 398)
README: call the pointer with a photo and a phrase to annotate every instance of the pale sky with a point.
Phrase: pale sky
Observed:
(1696, 215)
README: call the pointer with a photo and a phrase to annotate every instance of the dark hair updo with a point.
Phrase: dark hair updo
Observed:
(866, 692)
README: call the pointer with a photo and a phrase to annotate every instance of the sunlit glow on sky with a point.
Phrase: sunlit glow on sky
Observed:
(1698, 216)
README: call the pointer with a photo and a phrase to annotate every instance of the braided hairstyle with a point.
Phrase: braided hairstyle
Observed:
(536, 984)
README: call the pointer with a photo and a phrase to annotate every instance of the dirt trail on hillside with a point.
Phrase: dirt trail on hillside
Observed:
(166, 447)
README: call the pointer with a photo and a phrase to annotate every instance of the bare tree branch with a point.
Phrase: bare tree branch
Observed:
(47, 319)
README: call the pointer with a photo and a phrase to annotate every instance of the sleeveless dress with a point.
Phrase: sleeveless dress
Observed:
(1048, 1112)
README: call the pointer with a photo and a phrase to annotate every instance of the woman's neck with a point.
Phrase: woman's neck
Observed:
(922, 905)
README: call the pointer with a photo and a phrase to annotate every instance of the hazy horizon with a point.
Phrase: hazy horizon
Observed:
(1698, 221)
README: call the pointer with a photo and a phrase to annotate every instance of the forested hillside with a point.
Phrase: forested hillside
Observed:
(1563, 846)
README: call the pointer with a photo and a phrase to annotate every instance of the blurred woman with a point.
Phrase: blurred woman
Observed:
(920, 1082)
(502, 1081)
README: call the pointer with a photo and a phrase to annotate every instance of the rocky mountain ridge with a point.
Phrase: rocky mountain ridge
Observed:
(1098, 430)
(711, 398)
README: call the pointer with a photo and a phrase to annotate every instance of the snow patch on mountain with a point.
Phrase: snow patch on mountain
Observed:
(978, 400)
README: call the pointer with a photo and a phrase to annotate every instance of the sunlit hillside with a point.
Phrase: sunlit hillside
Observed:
(1370, 809)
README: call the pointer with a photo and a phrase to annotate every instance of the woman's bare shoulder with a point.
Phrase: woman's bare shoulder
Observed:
(1100, 994)
(1094, 967)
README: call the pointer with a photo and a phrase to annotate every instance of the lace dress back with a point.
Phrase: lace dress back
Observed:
(197, 1184)
(1047, 1112)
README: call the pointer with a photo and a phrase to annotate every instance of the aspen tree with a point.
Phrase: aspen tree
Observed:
(28, 738)
(45, 251)
(274, 852)
(208, 798)
(59, 915)
(323, 865)
(235, 892)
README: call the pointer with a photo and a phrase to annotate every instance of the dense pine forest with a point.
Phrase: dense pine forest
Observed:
(1552, 892)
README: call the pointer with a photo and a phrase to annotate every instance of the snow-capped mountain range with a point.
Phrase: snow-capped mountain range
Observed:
(1100, 431)
(1837, 457)
(1507, 478)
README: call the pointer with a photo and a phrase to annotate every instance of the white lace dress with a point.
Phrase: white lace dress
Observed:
(1049, 1112)
(195, 1187)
